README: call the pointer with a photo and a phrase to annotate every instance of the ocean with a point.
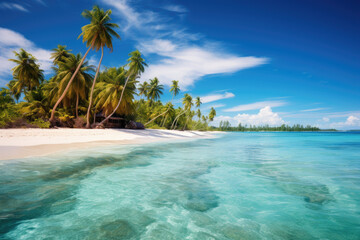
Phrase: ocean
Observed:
(263, 185)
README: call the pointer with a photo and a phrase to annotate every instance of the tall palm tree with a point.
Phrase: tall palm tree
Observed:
(27, 73)
(198, 102)
(143, 88)
(198, 114)
(102, 30)
(155, 89)
(175, 89)
(212, 114)
(59, 54)
(82, 79)
(109, 89)
(188, 103)
(14, 90)
(136, 66)
(91, 37)
(37, 106)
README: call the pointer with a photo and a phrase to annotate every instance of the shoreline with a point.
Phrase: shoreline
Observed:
(33, 142)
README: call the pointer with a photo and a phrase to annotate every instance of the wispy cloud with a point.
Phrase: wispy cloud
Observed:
(265, 116)
(175, 8)
(13, 6)
(178, 54)
(256, 105)
(12, 41)
(191, 62)
(214, 106)
(313, 109)
(216, 97)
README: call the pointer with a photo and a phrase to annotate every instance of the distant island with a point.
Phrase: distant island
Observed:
(226, 126)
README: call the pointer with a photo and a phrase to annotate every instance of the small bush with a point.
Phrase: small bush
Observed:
(41, 123)
(20, 123)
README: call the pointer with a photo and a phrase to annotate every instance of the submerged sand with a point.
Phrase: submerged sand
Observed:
(21, 143)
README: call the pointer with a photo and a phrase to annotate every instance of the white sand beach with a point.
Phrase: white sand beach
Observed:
(20, 143)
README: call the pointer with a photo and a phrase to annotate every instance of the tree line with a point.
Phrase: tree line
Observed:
(78, 91)
(226, 126)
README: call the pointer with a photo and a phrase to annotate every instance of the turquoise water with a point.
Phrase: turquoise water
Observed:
(237, 186)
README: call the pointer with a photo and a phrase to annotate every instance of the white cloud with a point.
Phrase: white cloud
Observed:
(325, 119)
(9, 38)
(133, 18)
(216, 97)
(189, 63)
(256, 105)
(13, 6)
(175, 8)
(12, 41)
(214, 106)
(177, 55)
(265, 117)
(351, 122)
(313, 109)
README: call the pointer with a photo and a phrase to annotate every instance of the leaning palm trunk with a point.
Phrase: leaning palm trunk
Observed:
(69, 84)
(176, 123)
(164, 121)
(185, 124)
(92, 90)
(160, 114)
(156, 117)
(176, 119)
(118, 105)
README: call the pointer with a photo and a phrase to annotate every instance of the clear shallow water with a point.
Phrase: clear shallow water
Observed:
(238, 186)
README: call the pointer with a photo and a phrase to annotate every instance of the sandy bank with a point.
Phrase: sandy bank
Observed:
(20, 143)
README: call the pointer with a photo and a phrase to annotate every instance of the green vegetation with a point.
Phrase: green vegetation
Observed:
(77, 93)
(226, 126)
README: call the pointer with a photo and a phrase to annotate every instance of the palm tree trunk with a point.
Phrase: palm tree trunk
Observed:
(161, 113)
(175, 120)
(164, 121)
(92, 90)
(185, 123)
(77, 105)
(121, 96)
(94, 115)
(69, 83)
(156, 117)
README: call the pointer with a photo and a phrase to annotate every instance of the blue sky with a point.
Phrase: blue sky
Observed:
(258, 62)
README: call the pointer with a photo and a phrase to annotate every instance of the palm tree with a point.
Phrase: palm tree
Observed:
(82, 79)
(175, 89)
(91, 37)
(27, 74)
(14, 89)
(102, 30)
(198, 114)
(110, 88)
(212, 114)
(155, 89)
(136, 66)
(37, 106)
(143, 88)
(198, 102)
(169, 112)
(59, 54)
(187, 102)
